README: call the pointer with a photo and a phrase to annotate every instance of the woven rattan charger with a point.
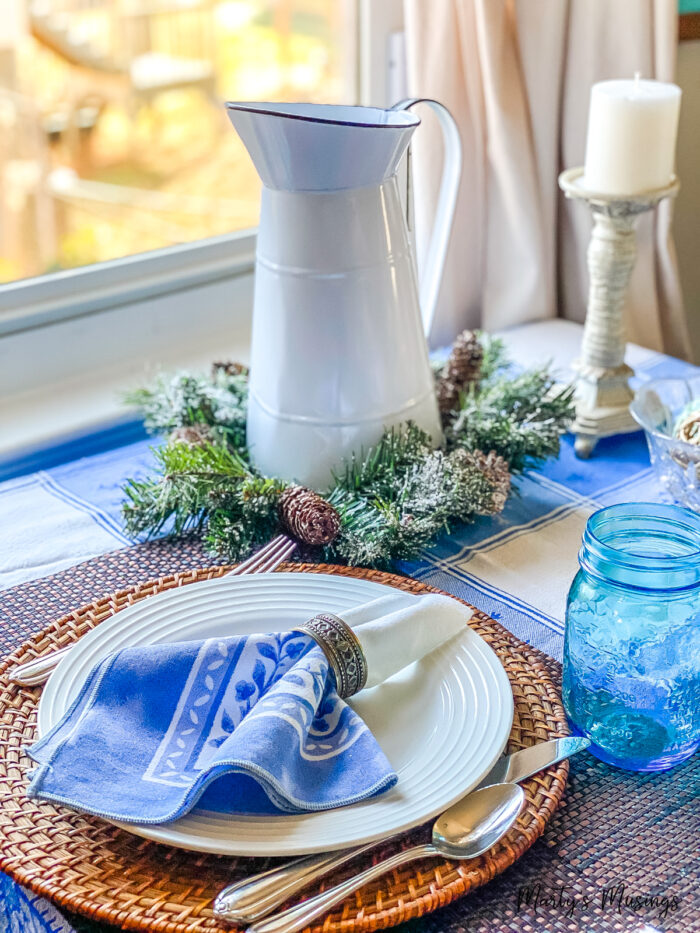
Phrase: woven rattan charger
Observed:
(93, 868)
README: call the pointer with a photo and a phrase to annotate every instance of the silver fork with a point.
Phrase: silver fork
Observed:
(267, 559)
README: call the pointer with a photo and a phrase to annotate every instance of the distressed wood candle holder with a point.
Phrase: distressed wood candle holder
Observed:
(603, 393)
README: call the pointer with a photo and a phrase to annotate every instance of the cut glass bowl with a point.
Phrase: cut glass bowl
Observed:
(657, 407)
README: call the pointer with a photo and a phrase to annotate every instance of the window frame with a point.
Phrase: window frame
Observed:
(61, 296)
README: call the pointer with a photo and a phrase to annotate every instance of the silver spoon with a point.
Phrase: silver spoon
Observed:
(466, 830)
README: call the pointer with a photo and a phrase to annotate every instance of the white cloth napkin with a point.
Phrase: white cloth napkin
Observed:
(401, 628)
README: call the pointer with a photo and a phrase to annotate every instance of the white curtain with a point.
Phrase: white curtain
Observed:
(516, 74)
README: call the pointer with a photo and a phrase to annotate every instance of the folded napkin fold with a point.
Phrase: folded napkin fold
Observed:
(153, 727)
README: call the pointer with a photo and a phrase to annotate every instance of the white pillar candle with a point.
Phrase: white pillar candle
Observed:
(631, 144)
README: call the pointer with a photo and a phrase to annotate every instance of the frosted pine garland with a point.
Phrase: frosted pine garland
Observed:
(385, 503)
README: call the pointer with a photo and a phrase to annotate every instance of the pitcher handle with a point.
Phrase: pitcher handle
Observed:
(447, 201)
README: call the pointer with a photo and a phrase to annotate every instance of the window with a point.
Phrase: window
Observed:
(113, 137)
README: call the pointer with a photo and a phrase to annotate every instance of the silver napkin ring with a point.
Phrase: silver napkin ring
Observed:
(343, 650)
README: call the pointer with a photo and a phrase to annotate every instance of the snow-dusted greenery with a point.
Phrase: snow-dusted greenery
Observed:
(392, 499)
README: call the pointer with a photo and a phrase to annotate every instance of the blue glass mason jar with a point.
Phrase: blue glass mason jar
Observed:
(632, 644)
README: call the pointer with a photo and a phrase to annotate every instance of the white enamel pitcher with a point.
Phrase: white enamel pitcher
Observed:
(338, 351)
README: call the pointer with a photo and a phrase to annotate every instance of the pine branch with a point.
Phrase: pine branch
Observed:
(496, 360)
(244, 516)
(447, 487)
(379, 472)
(179, 498)
(182, 400)
(521, 419)
(426, 496)
(370, 531)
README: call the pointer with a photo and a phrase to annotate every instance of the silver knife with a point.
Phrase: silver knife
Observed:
(528, 761)
(255, 897)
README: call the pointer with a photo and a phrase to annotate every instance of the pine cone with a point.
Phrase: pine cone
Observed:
(496, 470)
(307, 516)
(231, 369)
(462, 368)
(688, 429)
(196, 435)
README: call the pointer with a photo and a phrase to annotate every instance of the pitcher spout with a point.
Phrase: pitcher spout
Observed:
(322, 147)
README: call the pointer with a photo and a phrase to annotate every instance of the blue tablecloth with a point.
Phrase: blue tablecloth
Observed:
(517, 566)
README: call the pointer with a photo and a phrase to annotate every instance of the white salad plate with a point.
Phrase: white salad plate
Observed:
(442, 722)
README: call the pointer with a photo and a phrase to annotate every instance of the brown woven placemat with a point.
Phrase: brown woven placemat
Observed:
(637, 834)
(91, 867)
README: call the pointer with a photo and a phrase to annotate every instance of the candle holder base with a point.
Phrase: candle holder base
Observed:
(587, 432)
(603, 398)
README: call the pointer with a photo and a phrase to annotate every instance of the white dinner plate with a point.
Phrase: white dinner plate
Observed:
(442, 722)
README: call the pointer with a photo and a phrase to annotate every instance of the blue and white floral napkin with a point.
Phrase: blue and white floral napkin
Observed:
(256, 719)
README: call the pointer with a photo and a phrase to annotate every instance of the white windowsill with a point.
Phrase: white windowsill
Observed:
(89, 290)
(168, 310)
(40, 420)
